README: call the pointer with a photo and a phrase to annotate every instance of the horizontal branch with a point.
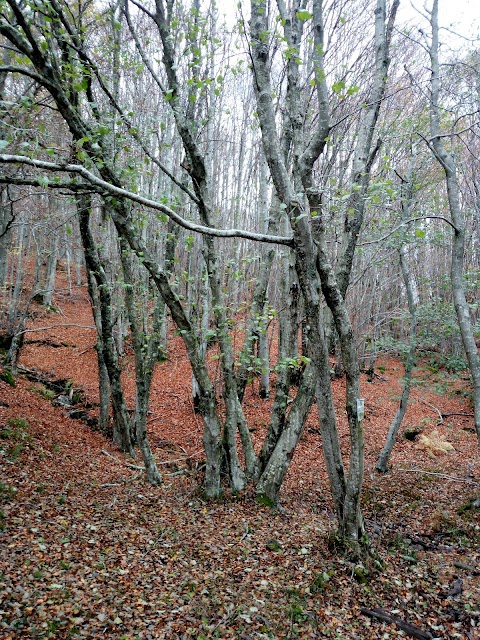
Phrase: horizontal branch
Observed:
(26, 72)
(384, 616)
(54, 326)
(438, 475)
(147, 202)
(402, 224)
(61, 184)
(453, 133)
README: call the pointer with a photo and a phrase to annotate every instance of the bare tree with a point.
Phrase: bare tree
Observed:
(446, 158)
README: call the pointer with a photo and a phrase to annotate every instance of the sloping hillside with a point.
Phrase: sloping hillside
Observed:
(90, 550)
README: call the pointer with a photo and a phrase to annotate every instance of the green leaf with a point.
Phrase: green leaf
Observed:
(82, 141)
(419, 233)
(3, 144)
(7, 376)
(304, 15)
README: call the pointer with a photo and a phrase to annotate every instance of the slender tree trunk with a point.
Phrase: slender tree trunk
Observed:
(146, 350)
(50, 272)
(103, 379)
(447, 161)
(382, 462)
(204, 326)
(287, 338)
(6, 220)
(263, 356)
(278, 463)
(207, 405)
(365, 151)
(14, 299)
(311, 259)
(11, 359)
(121, 419)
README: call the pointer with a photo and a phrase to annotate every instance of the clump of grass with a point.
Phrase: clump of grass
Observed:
(7, 376)
(6, 493)
(17, 436)
(42, 390)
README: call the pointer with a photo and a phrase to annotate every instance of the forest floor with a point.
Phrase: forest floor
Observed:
(89, 550)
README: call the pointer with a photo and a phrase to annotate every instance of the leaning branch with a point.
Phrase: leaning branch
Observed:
(438, 475)
(147, 202)
(384, 616)
(54, 326)
(68, 185)
(26, 72)
(419, 218)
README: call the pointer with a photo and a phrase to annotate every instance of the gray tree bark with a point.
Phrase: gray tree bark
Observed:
(382, 462)
(447, 161)
(311, 260)
(121, 418)
(146, 349)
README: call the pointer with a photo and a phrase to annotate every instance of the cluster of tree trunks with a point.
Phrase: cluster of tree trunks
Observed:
(56, 56)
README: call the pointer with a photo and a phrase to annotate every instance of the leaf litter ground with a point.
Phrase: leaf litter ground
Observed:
(89, 550)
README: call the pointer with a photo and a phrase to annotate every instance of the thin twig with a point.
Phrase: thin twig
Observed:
(432, 406)
(181, 459)
(54, 326)
(410, 629)
(439, 475)
(402, 224)
(105, 453)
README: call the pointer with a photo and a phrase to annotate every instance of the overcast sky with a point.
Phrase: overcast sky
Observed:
(462, 16)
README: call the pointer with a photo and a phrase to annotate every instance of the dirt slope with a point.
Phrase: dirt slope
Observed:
(89, 550)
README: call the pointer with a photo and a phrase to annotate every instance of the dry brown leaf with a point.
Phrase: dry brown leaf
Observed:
(435, 444)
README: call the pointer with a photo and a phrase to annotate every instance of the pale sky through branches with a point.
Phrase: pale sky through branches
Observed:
(460, 16)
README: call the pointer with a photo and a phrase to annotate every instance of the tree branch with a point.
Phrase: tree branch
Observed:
(152, 204)
(25, 72)
(363, 244)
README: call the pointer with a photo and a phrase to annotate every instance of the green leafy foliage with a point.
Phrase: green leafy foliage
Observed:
(304, 15)
(16, 436)
(7, 376)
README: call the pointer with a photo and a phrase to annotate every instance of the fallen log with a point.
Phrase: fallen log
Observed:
(456, 588)
(410, 629)
(475, 571)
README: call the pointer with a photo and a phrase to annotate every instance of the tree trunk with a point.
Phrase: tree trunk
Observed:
(121, 419)
(146, 348)
(103, 379)
(278, 463)
(312, 265)
(447, 161)
(382, 462)
(50, 272)
(6, 220)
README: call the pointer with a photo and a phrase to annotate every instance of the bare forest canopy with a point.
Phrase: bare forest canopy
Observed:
(308, 172)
